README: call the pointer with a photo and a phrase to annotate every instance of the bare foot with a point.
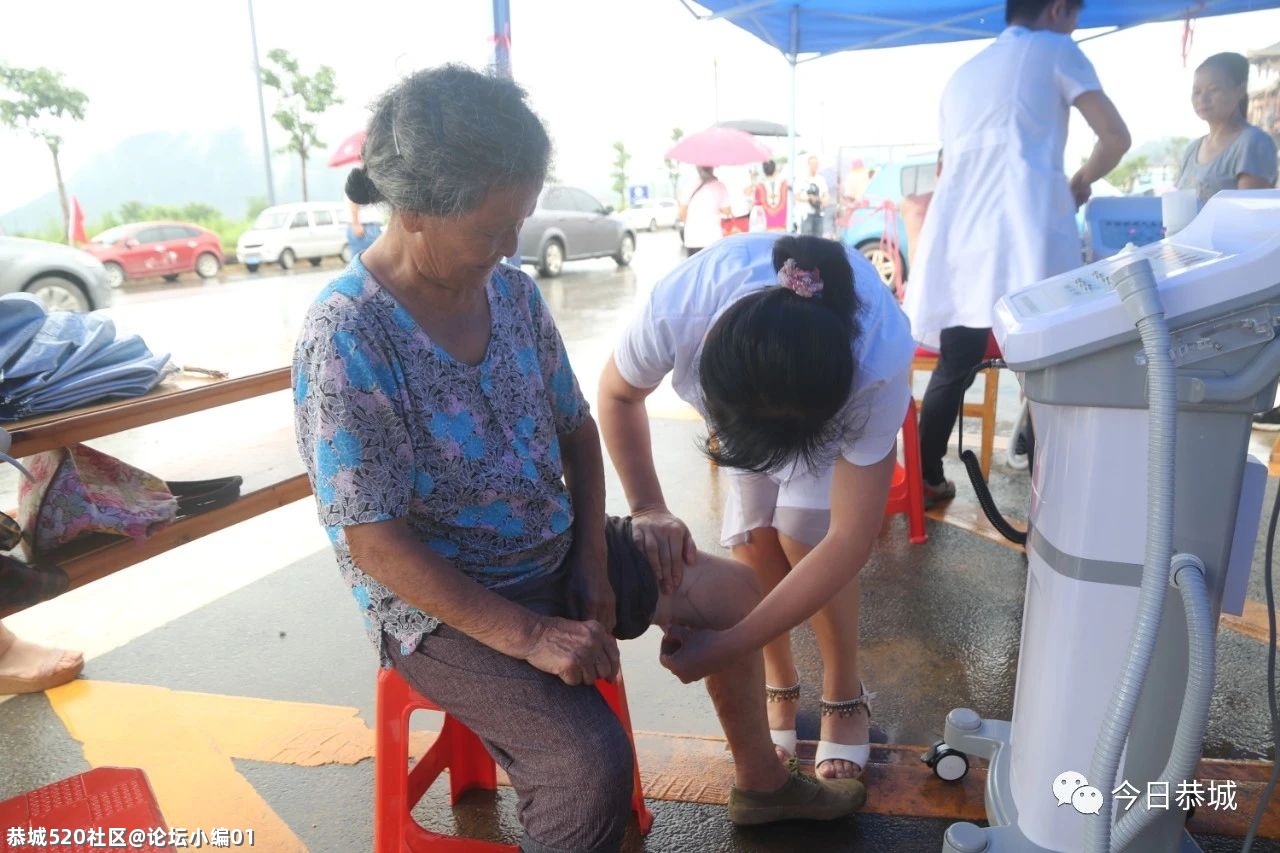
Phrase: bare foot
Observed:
(29, 668)
(853, 729)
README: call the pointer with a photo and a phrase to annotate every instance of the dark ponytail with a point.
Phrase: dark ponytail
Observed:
(777, 367)
(828, 258)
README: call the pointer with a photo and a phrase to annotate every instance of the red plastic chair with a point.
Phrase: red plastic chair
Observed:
(457, 749)
(906, 492)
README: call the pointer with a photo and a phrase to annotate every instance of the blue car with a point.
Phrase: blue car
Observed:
(892, 182)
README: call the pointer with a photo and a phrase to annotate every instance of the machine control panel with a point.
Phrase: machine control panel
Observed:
(1212, 276)
(1091, 282)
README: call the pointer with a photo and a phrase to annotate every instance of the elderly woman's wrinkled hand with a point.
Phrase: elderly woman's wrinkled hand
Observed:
(575, 652)
(667, 543)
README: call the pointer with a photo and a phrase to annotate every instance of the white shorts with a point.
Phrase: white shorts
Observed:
(798, 506)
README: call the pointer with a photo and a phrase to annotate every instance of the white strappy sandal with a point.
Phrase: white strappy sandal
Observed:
(855, 753)
(784, 739)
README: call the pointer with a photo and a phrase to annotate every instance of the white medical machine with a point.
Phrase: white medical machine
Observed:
(1143, 371)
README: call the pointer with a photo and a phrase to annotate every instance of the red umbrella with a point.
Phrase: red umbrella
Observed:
(719, 146)
(349, 151)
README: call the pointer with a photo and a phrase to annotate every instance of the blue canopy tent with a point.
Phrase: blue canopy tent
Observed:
(804, 30)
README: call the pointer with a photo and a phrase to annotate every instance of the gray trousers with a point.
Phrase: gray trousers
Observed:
(563, 748)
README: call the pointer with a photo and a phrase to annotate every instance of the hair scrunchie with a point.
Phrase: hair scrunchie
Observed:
(802, 282)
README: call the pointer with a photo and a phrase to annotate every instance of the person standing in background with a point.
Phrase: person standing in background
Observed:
(812, 197)
(703, 211)
(1233, 155)
(365, 227)
(1003, 213)
(770, 194)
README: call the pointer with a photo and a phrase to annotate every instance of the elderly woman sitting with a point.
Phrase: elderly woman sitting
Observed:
(458, 473)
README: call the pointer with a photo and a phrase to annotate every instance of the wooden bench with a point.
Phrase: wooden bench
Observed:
(94, 559)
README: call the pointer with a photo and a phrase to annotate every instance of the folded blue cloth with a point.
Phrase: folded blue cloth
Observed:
(53, 362)
(21, 316)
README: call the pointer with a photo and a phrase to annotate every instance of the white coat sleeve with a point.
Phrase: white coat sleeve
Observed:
(1073, 72)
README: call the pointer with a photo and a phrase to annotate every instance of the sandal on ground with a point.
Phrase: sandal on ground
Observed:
(56, 666)
(855, 753)
(939, 494)
(784, 739)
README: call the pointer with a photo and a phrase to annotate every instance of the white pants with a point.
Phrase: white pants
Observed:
(798, 506)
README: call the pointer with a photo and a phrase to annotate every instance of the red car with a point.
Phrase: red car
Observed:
(157, 248)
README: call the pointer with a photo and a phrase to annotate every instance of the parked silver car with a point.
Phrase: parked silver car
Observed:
(65, 279)
(569, 224)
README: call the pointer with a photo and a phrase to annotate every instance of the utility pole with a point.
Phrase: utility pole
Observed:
(715, 84)
(262, 109)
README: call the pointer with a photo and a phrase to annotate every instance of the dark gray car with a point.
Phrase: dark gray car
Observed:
(569, 224)
(65, 279)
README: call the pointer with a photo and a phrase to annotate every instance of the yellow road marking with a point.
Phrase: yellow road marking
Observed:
(185, 742)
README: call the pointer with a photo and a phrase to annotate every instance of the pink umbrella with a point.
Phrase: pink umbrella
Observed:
(349, 151)
(719, 146)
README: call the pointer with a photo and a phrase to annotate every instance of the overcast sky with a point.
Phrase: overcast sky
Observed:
(597, 71)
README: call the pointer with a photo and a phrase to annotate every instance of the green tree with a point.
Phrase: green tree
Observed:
(257, 204)
(1174, 147)
(620, 160)
(37, 101)
(1123, 176)
(299, 96)
(134, 211)
(673, 168)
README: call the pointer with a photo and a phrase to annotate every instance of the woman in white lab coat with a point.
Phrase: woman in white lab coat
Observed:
(1003, 214)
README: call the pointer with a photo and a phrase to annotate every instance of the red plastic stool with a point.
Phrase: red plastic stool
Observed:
(906, 492)
(102, 800)
(458, 750)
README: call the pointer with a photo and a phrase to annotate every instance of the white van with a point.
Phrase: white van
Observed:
(288, 233)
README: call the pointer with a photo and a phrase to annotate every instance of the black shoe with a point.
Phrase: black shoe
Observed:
(1268, 421)
(939, 494)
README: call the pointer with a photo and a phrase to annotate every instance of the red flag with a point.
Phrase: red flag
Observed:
(75, 228)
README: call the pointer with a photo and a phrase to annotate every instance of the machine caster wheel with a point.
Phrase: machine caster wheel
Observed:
(947, 763)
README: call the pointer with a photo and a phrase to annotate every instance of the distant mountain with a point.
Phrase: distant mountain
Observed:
(219, 168)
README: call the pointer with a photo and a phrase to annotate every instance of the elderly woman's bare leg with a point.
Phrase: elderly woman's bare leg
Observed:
(716, 593)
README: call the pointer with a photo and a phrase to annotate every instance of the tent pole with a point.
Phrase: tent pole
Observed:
(502, 38)
(791, 130)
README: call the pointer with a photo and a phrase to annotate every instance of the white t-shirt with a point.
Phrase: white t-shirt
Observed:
(1002, 216)
(667, 336)
(702, 217)
(371, 214)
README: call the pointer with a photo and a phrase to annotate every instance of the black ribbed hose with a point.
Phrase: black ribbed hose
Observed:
(974, 467)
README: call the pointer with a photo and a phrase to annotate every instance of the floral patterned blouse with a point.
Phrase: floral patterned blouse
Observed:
(391, 425)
